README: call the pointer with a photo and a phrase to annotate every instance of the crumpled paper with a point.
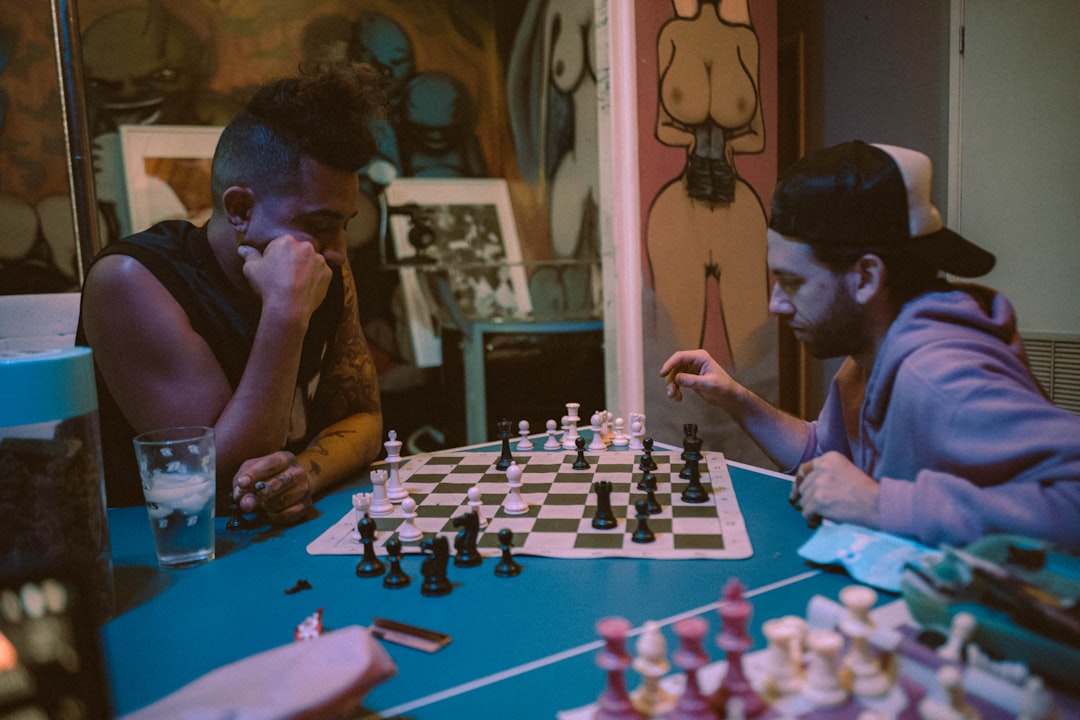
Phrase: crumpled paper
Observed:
(871, 557)
(327, 676)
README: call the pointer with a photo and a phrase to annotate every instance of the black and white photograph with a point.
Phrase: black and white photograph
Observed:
(463, 231)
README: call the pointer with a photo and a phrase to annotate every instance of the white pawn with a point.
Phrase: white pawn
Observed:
(523, 430)
(637, 434)
(619, 439)
(407, 531)
(361, 503)
(957, 707)
(380, 503)
(552, 441)
(651, 664)
(961, 629)
(395, 489)
(823, 688)
(477, 504)
(515, 504)
(596, 424)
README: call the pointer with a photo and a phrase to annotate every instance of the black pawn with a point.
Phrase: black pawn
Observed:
(433, 568)
(647, 462)
(465, 543)
(650, 494)
(370, 565)
(507, 567)
(505, 458)
(580, 463)
(604, 518)
(395, 578)
(642, 534)
(237, 521)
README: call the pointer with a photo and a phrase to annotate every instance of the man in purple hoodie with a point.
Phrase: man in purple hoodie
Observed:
(933, 427)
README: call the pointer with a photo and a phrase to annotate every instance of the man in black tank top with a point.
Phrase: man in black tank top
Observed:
(250, 323)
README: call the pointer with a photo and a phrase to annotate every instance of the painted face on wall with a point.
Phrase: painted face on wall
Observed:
(383, 44)
(142, 66)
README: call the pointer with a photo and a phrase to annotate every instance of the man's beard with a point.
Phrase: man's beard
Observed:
(842, 332)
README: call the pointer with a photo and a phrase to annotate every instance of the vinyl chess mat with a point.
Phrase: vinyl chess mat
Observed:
(561, 507)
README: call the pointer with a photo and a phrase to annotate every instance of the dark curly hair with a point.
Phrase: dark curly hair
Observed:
(324, 113)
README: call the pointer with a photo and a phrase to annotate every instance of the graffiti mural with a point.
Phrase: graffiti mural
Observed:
(706, 107)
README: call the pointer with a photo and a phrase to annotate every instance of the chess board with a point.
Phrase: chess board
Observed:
(561, 507)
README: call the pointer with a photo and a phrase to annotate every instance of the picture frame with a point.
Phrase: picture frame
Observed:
(459, 232)
(166, 172)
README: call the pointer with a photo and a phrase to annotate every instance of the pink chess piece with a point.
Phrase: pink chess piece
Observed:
(734, 640)
(614, 703)
(690, 658)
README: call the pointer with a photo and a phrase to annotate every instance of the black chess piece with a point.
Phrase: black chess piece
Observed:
(647, 461)
(369, 565)
(691, 452)
(650, 494)
(694, 492)
(604, 518)
(237, 521)
(437, 550)
(465, 543)
(396, 578)
(505, 458)
(580, 463)
(507, 567)
(643, 533)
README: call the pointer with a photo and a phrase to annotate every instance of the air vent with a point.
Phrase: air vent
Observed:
(1055, 362)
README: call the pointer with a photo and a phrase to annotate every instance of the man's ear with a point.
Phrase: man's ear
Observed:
(867, 277)
(239, 202)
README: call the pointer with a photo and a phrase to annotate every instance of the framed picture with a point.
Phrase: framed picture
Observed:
(460, 233)
(166, 173)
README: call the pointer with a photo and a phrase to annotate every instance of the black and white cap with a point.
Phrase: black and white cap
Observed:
(860, 195)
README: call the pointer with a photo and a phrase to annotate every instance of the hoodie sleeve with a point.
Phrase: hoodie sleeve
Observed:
(992, 457)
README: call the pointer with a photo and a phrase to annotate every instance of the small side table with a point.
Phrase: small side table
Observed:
(474, 343)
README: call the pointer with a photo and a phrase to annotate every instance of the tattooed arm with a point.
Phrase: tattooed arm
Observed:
(347, 404)
(347, 407)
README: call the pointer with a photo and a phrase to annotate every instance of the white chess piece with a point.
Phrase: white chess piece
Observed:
(961, 629)
(783, 654)
(637, 434)
(651, 664)
(1037, 703)
(869, 678)
(619, 439)
(957, 707)
(380, 503)
(552, 441)
(477, 504)
(569, 439)
(407, 531)
(395, 488)
(523, 430)
(515, 504)
(596, 424)
(823, 688)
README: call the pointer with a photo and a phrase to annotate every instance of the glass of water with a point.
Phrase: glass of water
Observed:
(177, 466)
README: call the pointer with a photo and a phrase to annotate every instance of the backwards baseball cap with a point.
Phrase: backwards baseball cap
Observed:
(859, 195)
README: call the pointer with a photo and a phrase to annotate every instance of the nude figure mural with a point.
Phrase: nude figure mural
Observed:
(705, 233)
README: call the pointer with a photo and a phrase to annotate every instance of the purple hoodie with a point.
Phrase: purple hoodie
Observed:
(955, 428)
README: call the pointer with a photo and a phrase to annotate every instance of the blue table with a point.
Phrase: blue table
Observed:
(522, 647)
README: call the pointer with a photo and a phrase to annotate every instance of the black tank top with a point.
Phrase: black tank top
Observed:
(179, 256)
